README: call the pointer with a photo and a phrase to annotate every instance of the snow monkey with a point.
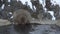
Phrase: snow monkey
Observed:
(21, 16)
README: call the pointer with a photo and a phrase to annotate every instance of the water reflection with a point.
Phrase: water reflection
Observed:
(19, 29)
(23, 29)
(29, 29)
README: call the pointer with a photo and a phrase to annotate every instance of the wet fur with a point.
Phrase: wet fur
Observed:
(22, 17)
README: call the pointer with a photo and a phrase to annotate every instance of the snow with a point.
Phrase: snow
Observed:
(11, 17)
(10, 12)
(53, 18)
(8, 5)
(45, 9)
(29, 3)
(3, 5)
(52, 14)
(42, 2)
(9, 0)
(34, 8)
(55, 2)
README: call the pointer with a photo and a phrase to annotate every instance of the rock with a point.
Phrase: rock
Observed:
(4, 22)
(58, 22)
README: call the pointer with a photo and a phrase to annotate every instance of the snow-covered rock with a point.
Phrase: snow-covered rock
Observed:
(52, 14)
(28, 1)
